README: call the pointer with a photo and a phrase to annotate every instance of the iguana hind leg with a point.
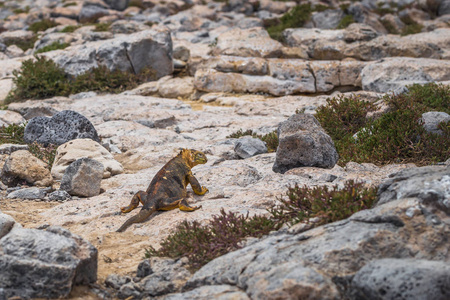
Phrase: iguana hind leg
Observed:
(138, 197)
(140, 217)
(184, 206)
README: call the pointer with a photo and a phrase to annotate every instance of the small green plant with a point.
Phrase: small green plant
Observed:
(69, 29)
(322, 204)
(320, 7)
(42, 25)
(42, 78)
(294, 18)
(37, 80)
(102, 27)
(411, 26)
(345, 21)
(12, 134)
(202, 243)
(271, 139)
(46, 154)
(24, 44)
(53, 46)
(389, 26)
(69, 4)
(136, 3)
(398, 136)
(21, 10)
(343, 116)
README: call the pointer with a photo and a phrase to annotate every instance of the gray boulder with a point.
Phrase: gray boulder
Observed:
(247, 147)
(91, 13)
(45, 264)
(327, 19)
(64, 126)
(432, 119)
(411, 278)
(393, 74)
(59, 195)
(303, 143)
(134, 52)
(118, 4)
(431, 184)
(83, 177)
(32, 193)
(156, 276)
(6, 224)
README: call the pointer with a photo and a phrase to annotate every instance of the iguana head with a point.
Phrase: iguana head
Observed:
(193, 157)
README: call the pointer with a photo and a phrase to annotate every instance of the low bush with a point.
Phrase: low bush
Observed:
(24, 44)
(69, 29)
(294, 18)
(226, 232)
(13, 134)
(42, 25)
(42, 78)
(411, 26)
(345, 21)
(271, 139)
(52, 46)
(202, 243)
(398, 136)
(322, 204)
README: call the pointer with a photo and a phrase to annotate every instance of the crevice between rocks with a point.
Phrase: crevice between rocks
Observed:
(129, 58)
(394, 220)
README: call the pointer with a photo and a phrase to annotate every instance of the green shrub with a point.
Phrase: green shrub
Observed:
(12, 134)
(322, 204)
(320, 7)
(343, 116)
(102, 27)
(202, 243)
(389, 26)
(69, 29)
(23, 44)
(345, 21)
(397, 136)
(136, 3)
(42, 25)
(42, 78)
(271, 139)
(104, 80)
(52, 46)
(411, 26)
(21, 10)
(46, 154)
(294, 18)
(37, 80)
(69, 4)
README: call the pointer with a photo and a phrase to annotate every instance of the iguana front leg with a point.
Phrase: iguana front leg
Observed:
(198, 189)
(138, 197)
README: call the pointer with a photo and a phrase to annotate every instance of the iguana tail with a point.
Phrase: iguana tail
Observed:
(140, 217)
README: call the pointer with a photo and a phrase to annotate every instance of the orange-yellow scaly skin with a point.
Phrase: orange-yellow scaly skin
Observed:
(167, 190)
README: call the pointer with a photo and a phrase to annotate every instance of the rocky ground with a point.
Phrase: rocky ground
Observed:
(219, 71)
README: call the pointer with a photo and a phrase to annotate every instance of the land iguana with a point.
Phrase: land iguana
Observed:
(167, 190)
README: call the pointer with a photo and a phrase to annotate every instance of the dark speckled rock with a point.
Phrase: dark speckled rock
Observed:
(64, 126)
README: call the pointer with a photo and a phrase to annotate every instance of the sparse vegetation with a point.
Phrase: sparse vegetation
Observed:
(345, 21)
(23, 44)
(389, 26)
(70, 28)
(13, 134)
(322, 204)
(102, 27)
(21, 10)
(69, 4)
(321, 7)
(42, 78)
(226, 232)
(412, 27)
(52, 46)
(42, 25)
(397, 136)
(294, 18)
(136, 3)
(271, 139)
(202, 243)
